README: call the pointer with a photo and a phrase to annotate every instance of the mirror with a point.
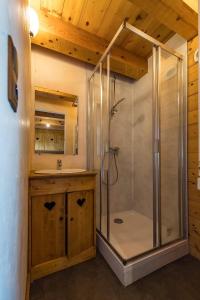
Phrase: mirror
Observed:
(56, 122)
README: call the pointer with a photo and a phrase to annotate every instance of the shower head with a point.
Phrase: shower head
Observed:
(114, 110)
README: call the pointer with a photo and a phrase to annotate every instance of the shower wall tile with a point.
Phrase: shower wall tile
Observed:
(120, 136)
(142, 164)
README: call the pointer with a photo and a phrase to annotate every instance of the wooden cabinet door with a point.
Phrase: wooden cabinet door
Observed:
(80, 209)
(47, 228)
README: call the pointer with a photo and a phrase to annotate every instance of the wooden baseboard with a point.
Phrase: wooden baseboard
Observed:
(28, 283)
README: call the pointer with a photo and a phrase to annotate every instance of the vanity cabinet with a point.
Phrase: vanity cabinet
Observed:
(62, 229)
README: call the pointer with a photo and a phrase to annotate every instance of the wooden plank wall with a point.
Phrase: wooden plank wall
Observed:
(193, 193)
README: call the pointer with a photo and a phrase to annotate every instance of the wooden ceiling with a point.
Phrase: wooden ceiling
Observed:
(83, 28)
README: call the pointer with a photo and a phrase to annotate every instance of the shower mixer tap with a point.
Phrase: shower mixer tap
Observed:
(114, 150)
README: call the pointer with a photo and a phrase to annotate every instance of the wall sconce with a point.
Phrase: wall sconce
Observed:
(33, 22)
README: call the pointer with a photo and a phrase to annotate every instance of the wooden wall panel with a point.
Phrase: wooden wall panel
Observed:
(193, 193)
(175, 15)
(54, 7)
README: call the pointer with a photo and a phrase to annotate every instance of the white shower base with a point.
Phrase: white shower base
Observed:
(141, 266)
(135, 235)
(132, 238)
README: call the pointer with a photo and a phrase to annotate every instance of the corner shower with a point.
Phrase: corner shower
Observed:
(137, 143)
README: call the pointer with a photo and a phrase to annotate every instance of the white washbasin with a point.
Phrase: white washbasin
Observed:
(63, 171)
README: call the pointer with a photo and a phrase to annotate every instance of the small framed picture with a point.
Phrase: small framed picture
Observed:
(12, 74)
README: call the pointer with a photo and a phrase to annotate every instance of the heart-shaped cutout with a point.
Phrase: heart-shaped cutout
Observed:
(50, 205)
(80, 202)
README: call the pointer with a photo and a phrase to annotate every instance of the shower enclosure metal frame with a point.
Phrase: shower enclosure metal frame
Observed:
(157, 46)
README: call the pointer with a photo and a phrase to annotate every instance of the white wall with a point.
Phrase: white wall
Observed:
(14, 143)
(54, 71)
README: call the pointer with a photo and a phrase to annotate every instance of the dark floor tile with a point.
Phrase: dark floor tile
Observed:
(37, 291)
(94, 280)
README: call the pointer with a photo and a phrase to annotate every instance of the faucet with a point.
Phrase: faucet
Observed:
(59, 164)
(114, 150)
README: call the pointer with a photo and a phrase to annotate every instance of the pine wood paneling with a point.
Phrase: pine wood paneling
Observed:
(72, 11)
(192, 87)
(93, 15)
(96, 22)
(193, 72)
(192, 160)
(118, 11)
(193, 193)
(192, 46)
(193, 103)
(65, 38)
(189, 15)
(101, 19)
(52, 6)
(192, 117)
(174, 14)
(104, 17)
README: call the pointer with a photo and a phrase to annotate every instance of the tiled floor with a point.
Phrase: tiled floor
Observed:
(93, 280)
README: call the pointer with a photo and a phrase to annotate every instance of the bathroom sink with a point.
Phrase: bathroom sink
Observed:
(63, 171)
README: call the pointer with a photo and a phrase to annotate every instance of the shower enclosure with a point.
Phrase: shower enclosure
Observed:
(136, 142)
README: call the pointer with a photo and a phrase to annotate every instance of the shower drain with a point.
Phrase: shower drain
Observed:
(118, 221)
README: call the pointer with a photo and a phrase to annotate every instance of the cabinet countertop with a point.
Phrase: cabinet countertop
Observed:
(33, 175)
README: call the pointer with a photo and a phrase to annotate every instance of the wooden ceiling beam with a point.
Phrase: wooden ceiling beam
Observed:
(174, 14)
(62, 37)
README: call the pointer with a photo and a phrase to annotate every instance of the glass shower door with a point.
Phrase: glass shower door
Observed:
(98, 141)
(104, 179)
(170, 102)
(94, 135)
